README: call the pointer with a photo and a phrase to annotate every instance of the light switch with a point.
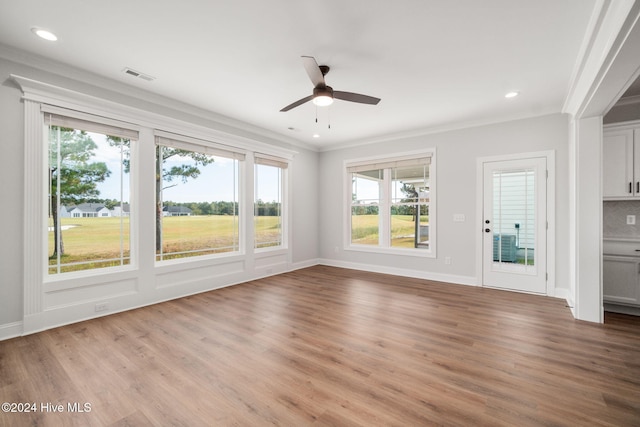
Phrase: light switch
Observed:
(458, 218)
(631, 220)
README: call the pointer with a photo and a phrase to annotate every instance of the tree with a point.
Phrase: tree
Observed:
(412, 196)
(165, 176)
(189, 170)
(181, 172)
(72, 176)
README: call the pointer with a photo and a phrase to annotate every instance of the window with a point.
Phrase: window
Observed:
(88, 171)
(391, 203)
(514, 215)
(268, 202)
(197, 200)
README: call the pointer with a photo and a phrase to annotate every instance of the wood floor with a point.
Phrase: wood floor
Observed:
(331, 347)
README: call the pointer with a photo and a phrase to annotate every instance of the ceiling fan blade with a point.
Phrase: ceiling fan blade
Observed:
(313, 70)
(355, 97)
(297, 103)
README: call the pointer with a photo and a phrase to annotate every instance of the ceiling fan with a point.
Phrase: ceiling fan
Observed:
(322, 94)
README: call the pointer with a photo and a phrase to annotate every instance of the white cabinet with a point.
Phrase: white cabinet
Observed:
(621, 275)
(621, 162)
(621, 280)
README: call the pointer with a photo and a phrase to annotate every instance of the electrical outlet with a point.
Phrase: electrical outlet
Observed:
(103, 306)
(631, 220)
(447, 260)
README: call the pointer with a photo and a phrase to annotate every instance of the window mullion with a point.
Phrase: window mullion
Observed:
(58, 202)
(385, 209)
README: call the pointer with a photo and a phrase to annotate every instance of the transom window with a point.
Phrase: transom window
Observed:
(391, 204)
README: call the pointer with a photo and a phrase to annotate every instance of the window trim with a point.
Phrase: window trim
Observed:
(285, 165)
(168, 139)
(96, 124)
(66, 292)
(202, 146)
(388, 161)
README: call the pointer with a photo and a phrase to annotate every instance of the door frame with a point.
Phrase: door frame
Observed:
(550, 156)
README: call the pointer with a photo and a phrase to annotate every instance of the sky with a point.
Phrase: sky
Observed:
(215, 182)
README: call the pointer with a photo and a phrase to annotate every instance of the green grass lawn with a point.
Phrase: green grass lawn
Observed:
(364, 230)
(94, 239)
(217, 233)
(97, 239)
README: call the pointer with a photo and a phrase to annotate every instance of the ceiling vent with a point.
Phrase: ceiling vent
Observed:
(138, 74)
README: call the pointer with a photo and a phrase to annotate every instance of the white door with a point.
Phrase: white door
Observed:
(515, 224)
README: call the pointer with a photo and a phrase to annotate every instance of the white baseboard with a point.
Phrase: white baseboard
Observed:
(10, 330)
(304, 264)
(416, 274)
(622, 309)
(562, 293)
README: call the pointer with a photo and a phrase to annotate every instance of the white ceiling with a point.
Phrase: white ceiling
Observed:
(436, 64)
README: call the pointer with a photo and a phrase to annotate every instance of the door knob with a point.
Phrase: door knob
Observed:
(487, 230)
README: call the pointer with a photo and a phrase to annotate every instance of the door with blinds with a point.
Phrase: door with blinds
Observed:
(515, 224)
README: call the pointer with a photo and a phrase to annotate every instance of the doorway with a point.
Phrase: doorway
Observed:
(515, 224)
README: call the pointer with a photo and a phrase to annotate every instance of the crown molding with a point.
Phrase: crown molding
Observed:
(144, 100)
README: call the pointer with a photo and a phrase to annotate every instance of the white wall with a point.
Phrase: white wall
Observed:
(457, 152)
(305, 185)
(11, 194)
(60, 305)
(587, 248)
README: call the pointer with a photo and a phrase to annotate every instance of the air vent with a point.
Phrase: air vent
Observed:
(138, 74)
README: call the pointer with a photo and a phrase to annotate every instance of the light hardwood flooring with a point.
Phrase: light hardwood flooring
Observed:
(326, 346)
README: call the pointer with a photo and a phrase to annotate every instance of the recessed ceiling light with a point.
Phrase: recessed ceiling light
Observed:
(315, 135)
(512, 94)
(47, 35)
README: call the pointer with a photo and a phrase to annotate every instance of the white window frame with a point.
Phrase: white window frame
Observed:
(52, 301)
(285, 165)
(169, 139)
(383, 246)
(98, 124)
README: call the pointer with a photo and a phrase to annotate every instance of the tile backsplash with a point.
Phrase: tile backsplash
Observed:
(615, 218)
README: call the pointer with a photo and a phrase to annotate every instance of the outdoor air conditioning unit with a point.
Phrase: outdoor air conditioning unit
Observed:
(504, 247)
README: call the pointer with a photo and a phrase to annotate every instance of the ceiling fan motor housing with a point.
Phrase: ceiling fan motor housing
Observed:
(323, 91)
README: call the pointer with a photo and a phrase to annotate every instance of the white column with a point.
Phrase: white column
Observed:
(34, 219)
(586, 219)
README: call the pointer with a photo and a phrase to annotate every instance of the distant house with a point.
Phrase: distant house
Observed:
(176, 211)
(89, 210)
(63, 212)
(121, 210)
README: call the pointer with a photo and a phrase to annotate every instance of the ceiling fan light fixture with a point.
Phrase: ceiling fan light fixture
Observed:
(323, 96)
(323, 100)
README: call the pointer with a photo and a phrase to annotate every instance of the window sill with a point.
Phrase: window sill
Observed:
(84, 278)
(199, 261)
(270, 250)
(419, 253)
